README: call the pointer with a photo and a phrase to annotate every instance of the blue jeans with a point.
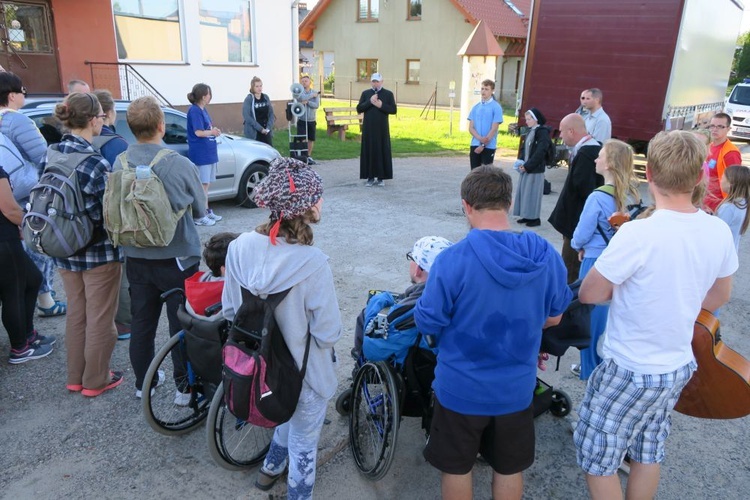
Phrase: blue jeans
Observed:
(589, 358)
(45, 265)
(296, 443)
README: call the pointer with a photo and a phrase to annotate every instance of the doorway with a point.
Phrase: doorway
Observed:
(27, 45)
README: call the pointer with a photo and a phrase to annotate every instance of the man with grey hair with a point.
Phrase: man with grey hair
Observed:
(598, 123)
(78, 86)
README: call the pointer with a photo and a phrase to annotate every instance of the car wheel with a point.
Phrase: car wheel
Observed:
(252, 175)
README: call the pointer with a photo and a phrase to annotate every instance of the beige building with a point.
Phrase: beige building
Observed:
(414, 44)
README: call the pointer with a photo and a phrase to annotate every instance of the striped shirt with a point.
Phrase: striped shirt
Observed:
(92, 177)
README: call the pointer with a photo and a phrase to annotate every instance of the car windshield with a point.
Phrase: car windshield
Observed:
(740, 95)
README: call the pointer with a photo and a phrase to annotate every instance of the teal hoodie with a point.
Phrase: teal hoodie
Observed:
(485, 302)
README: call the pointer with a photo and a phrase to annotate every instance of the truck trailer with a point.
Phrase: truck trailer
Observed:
(660, 64)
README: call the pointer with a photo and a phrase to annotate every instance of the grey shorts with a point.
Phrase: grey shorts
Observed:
(207, 173)
(623, 411)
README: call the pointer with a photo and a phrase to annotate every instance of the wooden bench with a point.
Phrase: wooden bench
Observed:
(339, 119)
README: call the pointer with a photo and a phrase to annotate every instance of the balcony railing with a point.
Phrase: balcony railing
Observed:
(123, 80)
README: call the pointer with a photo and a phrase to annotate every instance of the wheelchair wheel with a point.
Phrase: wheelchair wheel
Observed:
(164, 411)
(561, 403)
(233, 443)
(344, 403)
(374, 419)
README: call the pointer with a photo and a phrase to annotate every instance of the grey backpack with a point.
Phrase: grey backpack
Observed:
(56, 223)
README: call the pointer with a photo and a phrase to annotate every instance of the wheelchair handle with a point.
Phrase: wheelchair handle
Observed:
(166, 295)
(211, 310)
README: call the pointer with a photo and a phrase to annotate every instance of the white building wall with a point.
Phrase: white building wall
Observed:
(276, 51)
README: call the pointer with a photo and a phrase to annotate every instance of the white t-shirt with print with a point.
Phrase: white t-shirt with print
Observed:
(662, 267)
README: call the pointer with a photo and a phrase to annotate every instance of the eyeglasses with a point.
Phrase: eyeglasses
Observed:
(720, 127)
(22, 90)
(410, 256)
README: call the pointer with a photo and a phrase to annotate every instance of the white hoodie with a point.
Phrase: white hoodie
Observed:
(256, 265)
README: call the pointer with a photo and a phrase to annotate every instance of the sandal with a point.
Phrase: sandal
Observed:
(58, 309)
(266, 481)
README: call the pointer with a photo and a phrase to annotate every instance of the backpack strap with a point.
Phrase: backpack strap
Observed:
(163, 153)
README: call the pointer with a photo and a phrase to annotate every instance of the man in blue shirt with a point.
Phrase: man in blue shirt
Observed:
(486, 301)
(484, 119)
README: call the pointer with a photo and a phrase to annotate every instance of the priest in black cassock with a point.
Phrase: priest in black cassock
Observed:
(375, 162)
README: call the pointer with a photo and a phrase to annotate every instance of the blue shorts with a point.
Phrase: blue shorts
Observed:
(623, 411)
(207, 173)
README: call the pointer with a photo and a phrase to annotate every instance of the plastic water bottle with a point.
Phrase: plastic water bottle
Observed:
(142, 172)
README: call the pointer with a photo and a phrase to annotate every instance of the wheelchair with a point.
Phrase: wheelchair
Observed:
(192, 379)
(383, 392)
(192, 360)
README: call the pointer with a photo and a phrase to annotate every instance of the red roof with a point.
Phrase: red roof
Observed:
(481, 42)
(500, 18)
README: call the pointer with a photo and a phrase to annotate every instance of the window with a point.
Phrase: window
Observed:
(27, 28)
(148, 30)
(369, 10)
(415, 10)
(365, 69)
(226, 31)
(412, 71)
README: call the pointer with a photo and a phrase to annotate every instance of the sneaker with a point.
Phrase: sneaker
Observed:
(380, 183)
(123, 331)
(370, 183)
(204, 221)
(31, 351)
(265, 481)
(310, 161)
(181, 398)
(115, 379)
(575, 369)
(159, 381)
(38, 340)
(211, 215)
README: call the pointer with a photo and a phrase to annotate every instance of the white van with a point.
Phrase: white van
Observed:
(737, 105)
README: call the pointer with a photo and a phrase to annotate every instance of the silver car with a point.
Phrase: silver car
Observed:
(242, 162)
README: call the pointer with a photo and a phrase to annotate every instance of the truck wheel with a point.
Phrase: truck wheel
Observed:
(252, 175)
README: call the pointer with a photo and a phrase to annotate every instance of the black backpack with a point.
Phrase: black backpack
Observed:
(551, 154)
(262, 382)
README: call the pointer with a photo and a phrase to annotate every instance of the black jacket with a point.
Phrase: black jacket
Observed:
(536, 162)
(581, 181)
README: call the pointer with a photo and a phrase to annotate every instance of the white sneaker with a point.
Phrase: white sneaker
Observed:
(575, 369)
(204, 221)
(159, 381)
(211, 215)
(181, 398)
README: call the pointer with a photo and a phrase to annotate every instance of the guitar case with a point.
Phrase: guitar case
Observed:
(720, 388)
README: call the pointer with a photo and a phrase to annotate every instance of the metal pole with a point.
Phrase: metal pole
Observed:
(450, 127)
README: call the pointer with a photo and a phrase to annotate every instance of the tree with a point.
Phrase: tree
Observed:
(741, 63)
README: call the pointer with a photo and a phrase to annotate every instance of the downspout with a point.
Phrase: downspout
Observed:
(295, 39)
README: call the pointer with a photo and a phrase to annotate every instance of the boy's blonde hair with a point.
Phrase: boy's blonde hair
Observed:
(144, 116)
(675, 161)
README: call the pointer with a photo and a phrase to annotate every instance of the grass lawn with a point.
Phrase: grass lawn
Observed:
(410, 135)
